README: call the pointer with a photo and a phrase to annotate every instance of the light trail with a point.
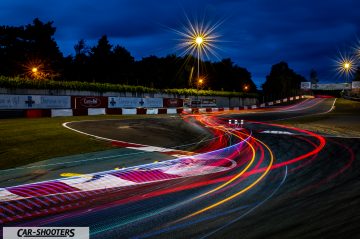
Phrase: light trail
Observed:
(238, 150)
(241, 191)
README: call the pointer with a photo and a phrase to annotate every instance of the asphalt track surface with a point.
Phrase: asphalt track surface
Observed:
(256, 180)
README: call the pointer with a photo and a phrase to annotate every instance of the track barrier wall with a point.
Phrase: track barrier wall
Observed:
(35, 106)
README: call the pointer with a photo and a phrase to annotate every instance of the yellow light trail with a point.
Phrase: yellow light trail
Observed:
(240, 192)
(238, 175)
(243, 190)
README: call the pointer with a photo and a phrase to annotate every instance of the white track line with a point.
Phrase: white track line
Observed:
(135, 146)
(299, 116)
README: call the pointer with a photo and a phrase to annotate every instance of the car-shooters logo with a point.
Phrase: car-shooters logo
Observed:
(46, 232)
(89, 102)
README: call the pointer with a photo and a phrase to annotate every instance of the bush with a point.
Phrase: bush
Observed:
(26, 83)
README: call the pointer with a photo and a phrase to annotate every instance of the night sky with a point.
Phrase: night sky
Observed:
(255, 34)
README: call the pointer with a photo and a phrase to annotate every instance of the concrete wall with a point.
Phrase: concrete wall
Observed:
(220, 101)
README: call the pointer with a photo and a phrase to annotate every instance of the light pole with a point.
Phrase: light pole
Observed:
(199, 41)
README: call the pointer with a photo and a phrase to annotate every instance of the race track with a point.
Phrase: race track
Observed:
(218, 179)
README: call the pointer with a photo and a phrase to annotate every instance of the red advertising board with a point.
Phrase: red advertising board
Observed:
(84, 102)
(172, 102)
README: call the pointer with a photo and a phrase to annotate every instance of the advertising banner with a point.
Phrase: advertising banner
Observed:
(208, 102)
(187, 102)
(172, 103)
(84, 102)
(195, 103)
(355, 85)
(201, 103)
(334, 86)
(305, 85)
(34, 102)
(129, 102)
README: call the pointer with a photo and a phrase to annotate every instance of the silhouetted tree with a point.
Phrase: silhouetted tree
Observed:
(122, 64)
(80, 69)
(281, 82)
(33, 44)
(357, 75)
(26, 46)
(230, 77)
(12, 46)
(81, 48)
(100, 58)
(313, 77)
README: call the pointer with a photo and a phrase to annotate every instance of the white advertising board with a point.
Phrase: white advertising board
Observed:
(305, 85)
(129, 102)
(208, 102)
(61, 112)
(331, 86)
(96, 111)
(171, 111)
(152, 111)
(355, 85)
(34, 102)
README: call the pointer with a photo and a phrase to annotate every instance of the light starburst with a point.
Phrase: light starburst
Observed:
(346, 65)
(199, 38)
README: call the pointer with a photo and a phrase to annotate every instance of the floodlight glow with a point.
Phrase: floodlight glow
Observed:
(345, 65)
(199, 40)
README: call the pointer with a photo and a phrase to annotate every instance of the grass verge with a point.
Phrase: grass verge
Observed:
(24, 141)
(343, 121)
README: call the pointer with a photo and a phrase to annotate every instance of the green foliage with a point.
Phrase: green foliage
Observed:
(26, 83)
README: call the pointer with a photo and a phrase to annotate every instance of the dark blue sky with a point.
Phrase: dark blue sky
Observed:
(256, 33)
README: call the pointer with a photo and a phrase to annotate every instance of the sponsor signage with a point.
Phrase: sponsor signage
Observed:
(129, 102)
(355, 85)
(187, 102)
(332, 86)
(169, 102)
(84, 102)
(34, 102)
(196, 103)
(202, 103)
(208, 102)
(305, 85)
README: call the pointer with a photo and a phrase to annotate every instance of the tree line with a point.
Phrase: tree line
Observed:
(31, 51)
